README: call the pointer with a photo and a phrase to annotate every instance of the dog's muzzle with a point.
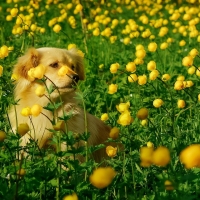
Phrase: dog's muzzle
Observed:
(75, 78)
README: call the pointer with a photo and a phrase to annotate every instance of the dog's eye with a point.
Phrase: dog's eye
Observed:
(73, 67)
(54, 65)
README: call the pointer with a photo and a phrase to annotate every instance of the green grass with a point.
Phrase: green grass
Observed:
(167, 126)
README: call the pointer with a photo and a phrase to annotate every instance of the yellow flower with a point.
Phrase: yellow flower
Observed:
(102, 177)
(14, 12)
(111, 151)
(151, 65)
(132, 78)
(1, 70)
(40, 90)
(122, 107)
(182, 43)
(153, 75)
(71, 46)
(198, 71)
(125, 118)
(78, 7)
(198, 97)
(152, 47)
(194, 52)
(114, 133)
(21, 172)
(57, 28)
(150, 144)
(64, 70)
(112, 88)
(141, 53)
(161, 156)
(71, 197)
(126, 40)
(165, 77)
(191, 70)
(168, 185)
(190, 156)
(104, 117)
(144, 122)
(26, 111)
(131, 67)
(163, 45)
(142, 113)
(36, 110)
(59, 126)
(142, 80)
(178, 85)
(2, 136)
(157, 103)
(22, 129)
(146, 156)
(114, 67)
(4, 51)
(96, 32)
(37, 72)
(187, 61)
(181, 103)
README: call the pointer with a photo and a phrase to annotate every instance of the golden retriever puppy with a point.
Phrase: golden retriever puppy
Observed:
(53, 59)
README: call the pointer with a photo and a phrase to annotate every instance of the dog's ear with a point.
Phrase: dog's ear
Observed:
(26, 62)
(77, 59)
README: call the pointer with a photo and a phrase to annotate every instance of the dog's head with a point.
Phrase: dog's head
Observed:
(52, 59)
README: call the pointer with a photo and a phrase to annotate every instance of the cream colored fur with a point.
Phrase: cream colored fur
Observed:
(25, 93)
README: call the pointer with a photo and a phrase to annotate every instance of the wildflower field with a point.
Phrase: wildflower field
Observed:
(142, 79)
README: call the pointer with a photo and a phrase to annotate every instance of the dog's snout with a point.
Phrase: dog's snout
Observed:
(75, 78)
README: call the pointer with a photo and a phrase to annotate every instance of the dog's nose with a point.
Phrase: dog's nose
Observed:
(75, 78)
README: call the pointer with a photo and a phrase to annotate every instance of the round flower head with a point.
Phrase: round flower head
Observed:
(104, 117)
(122, 107)
(168, 185)
(36, 110)
(14, 12)
(112, 88)
(142, 80)
(70, 197)
(2, 136)
(161, 156)
(191, 70)
(1, 70)
(40, 90)
(132, 78)
(157, 103)
(125, 119)
(142, 113)
(71, 46)
(181, 103)
(4, 51)
(102, 177)
(152, 47)
(131, 67)
(141, 53)
(114, 67)
(146, 156)
(153, 75)
(26, 111)
(23, 128)
(151, 65)
(57, 28)
(150, 144)
(111, 151)
(187, 61)
(165, 77)
(194, 52)
(114, 133)
(179, 85)
(190, 156)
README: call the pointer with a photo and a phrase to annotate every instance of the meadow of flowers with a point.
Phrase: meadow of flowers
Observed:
(142, 79)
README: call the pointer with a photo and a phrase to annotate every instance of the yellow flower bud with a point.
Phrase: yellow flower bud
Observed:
(142, 80)
(157, 103)
(71, 46)
(182, 43)
(114, 67)
(111, 151)
(190, 156)
(114, 133)
(59, 126)
(187, 61)
(102, 177)
(131, 67)
(142, 113)
(146, 156)
(198, 71)
(4, 51)
(168, 185)
(163, 45)
(132, 78)
(2, 136)
(194, 52)
(141, 53)
(161, 156)
(181, 103)
(152, 47)
(125, 118)
(144, 122)
(40, 90)
(22, 129)
(1, 70)
(57, 28)
(70, 197)
(14, 12)
(165, 77)
(191, 70)
(36, 110)
(122, 107)
(153, 75)
(78, 7)
(179, 85)
(112, 88)
(150, 144)
(151, 65)
(26, 111)
(104, 117)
